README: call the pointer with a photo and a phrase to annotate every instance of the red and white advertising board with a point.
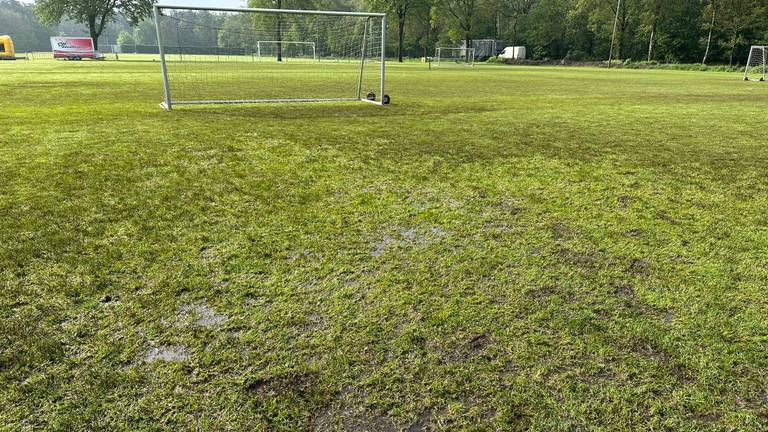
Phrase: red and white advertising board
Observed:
(73, 47)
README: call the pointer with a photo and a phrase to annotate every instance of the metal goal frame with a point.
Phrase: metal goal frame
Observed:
(761, 65)
(469, 56)
(168, 101)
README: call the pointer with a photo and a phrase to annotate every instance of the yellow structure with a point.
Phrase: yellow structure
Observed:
(6, 48)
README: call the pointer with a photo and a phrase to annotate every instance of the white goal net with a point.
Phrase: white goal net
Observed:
(455, 56)
(286, 50)
(244, 55)
(755, 70)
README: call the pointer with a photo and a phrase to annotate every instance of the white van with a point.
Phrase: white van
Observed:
(513, 53)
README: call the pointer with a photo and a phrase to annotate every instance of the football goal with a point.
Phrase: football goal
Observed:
(455, 56)
(283, 50)
(755, 70)
(211, 55)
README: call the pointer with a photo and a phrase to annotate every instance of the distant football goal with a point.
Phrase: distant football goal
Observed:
(212, 55)
(454, 56)
(755, 70)
(284, 50)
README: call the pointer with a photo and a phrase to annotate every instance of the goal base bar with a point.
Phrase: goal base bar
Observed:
(262, 101)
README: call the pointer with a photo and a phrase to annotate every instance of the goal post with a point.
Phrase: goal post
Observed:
(453, 55)
(212, 55)
(755, 70)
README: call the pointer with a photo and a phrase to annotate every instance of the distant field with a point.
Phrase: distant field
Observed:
(501, 248)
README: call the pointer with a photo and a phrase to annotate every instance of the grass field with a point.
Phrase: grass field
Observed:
(502, 248)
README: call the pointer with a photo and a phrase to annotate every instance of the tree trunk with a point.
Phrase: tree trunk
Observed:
(514, 31)
(428, 33)
(734, 38)
(400, 36)
(622, 34)
(709, 36)
(279, 32)
(93, 31)
(467, 46)
(613, 35)
(650, 42)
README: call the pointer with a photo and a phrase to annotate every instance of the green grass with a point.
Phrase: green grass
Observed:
(502, 248)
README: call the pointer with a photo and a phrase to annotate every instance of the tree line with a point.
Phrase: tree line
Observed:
(665, 31)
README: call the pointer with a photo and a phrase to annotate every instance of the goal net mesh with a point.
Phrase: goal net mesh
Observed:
(755, 70)
(224, 56)
(455, 56)
(288, 50)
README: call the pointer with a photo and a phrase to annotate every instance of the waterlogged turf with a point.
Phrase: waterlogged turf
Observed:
(501, 248)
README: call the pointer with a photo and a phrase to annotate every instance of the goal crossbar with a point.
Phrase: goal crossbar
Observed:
(277, 11)
(169, 101)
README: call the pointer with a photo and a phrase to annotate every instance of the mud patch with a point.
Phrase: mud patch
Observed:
(167, 353)
(208, 255)
(421, 423)
(371, 423)
(708, 418)
(651, 350)
(347, 413)
(638, 267)
(477, 346)
(106, 299)
(623, 201)
(560, 231)
(381, 246)
(302, 257)
(574, 258)
(624, 290)
(666, 218)
(544, 292)
(408, 237)
(661, 356)
(200, 314)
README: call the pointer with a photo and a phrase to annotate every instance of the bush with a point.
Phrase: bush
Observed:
(125, 38)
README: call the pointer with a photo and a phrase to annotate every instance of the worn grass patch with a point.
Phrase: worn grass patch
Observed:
(502, 248)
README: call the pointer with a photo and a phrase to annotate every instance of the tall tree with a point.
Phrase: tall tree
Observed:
(652, 13)
(93, 13)
(19, 21)
(737, 17)
(463, 13)
(516, 10)
(401, 9)
(278, 21)
(714, 5)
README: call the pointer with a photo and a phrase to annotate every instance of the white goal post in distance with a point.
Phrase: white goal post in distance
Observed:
(211, 55)
(755, 70)
(452, 55)
(288, 49)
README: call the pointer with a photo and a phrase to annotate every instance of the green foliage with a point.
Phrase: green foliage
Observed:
(95, 14)
(667, 31)
(19, 21)
(125, 38)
